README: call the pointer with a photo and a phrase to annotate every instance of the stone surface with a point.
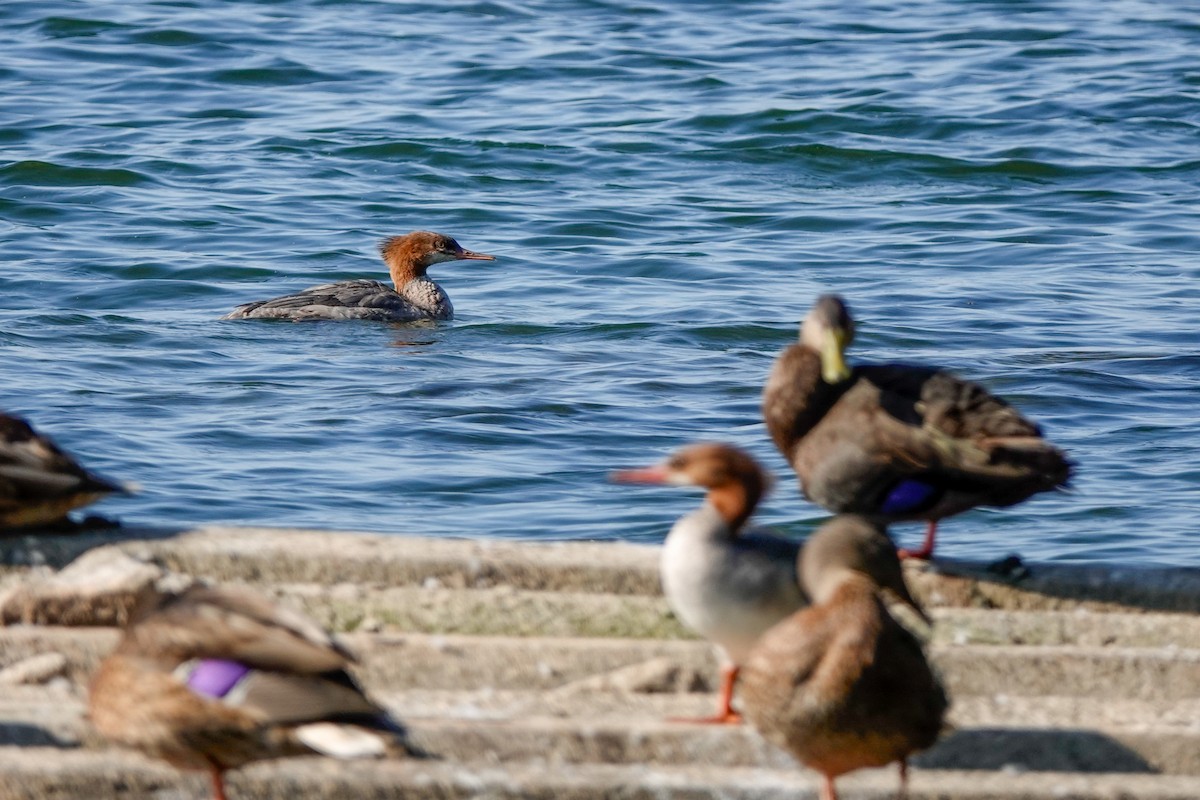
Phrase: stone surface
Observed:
(100, 587)
(551, 671)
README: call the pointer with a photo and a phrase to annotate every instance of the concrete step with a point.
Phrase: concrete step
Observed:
(45, 774)
(554, 670)
(434, 661)
(281, 556)
(1026, 734)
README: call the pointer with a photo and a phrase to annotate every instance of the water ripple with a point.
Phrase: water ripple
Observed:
(1006, 190)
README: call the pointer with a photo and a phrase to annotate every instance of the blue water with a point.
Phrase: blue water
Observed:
(1006, 188)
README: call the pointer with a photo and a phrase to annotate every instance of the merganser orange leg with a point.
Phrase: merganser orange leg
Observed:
(725, 714)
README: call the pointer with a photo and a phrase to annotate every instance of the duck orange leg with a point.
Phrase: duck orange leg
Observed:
(926, 551)
(725, 714)
(828, 790)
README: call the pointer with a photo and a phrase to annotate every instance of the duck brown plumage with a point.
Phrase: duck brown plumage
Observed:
(897, 441)
(841, 685)
(39, 483)
(214, 678)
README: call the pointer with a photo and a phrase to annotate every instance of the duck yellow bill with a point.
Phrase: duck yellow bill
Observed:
(833, 363)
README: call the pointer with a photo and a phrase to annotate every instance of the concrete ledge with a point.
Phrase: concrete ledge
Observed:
(280, 555)
(550, 670)
(98, 774)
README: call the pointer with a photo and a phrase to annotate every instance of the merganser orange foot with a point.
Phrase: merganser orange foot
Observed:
(212, 679)
(841, 685)
(725, 581)
(39, 483)
(895, 441)
(415, 295)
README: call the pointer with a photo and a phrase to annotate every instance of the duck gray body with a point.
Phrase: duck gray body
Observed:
(413, 295)
(725, 582)
(361, 299)
(728, 587)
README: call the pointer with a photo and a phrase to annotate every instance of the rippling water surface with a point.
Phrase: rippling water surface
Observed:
(1005, 188)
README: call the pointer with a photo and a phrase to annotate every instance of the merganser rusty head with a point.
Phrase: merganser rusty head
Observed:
(734, 480)
(408, 256)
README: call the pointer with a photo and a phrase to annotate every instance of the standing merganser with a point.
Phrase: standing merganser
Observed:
(895, 441)
(841, 685)
(727, 583)
(212, 679)
(415, 296)
(39, 483)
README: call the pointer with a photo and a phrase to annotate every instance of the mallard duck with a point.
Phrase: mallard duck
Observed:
(412, 296)
(727, 582)
(841, 685)
(896, 441)
(214, 678)
(39, 483)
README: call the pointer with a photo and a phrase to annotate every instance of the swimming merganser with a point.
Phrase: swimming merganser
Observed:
(841, 685)
(39, 483)
(415, 296)
(895, 441)
(724, 581)
(212, 679)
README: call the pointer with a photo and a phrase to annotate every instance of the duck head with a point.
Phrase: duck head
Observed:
(828, 329)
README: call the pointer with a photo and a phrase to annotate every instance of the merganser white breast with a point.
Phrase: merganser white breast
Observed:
(39, 483)
(413, 295)
(724, 580)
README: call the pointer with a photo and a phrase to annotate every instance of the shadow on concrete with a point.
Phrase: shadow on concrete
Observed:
(56, 547)
(24, 734)
(1149, 588)
(1033, 750)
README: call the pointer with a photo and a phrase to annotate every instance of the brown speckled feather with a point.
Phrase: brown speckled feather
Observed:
(290, 679)
(236, 624)
(841, 685)
(851, 442)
